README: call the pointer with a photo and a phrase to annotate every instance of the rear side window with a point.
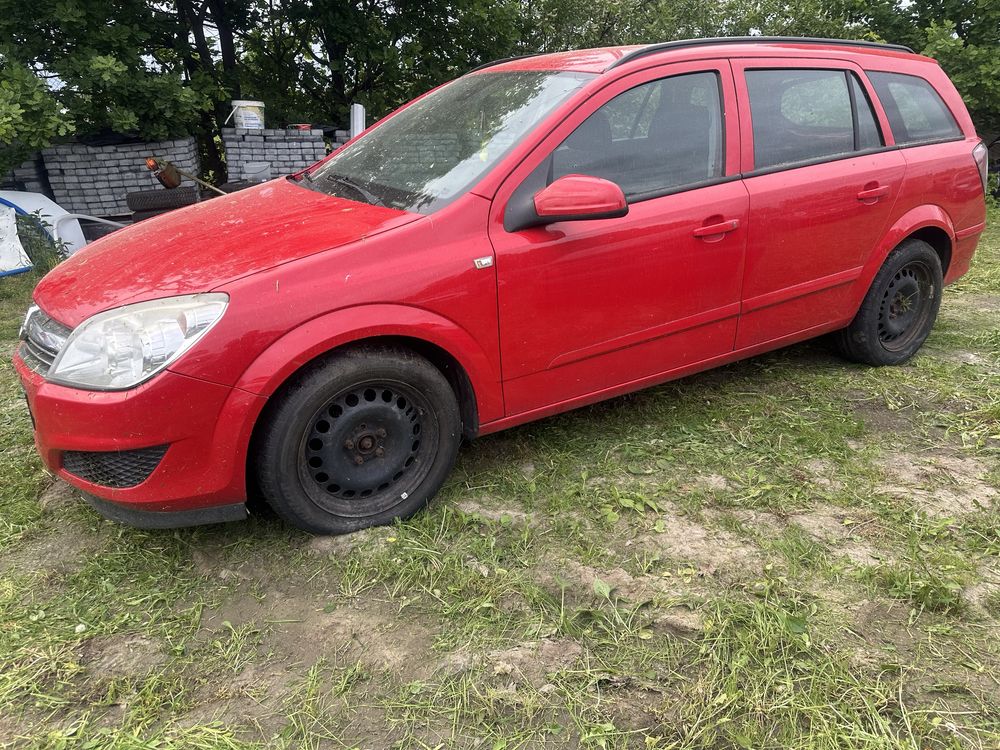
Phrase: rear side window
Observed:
(915, 110)
(803, 115)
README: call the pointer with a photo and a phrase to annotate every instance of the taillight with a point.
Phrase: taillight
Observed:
(982, 156)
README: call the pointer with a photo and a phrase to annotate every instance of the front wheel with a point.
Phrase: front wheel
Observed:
(358, 439)
(899, 310)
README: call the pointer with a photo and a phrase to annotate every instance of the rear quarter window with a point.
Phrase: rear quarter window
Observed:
(915, 110)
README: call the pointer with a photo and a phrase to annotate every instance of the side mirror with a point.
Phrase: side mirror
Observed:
(576, 197)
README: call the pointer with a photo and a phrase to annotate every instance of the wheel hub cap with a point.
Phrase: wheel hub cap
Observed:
(905, 306)
(364, 442)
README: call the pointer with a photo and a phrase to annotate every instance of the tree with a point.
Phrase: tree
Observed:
(975, 70)
(311, 61)
(30, 116)
(962, 35)
(113, 66)
(164, 68)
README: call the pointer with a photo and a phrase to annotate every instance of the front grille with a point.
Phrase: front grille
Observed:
(116, 469)
(37, 359)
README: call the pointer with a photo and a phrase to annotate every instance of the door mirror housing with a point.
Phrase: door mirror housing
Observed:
(577, 197)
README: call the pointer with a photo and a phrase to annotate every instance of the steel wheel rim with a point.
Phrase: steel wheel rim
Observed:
(906, 306)
(368, 448)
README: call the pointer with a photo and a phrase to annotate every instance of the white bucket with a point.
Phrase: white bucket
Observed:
(248, 114)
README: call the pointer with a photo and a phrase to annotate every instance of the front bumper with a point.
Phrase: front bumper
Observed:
(204, 426)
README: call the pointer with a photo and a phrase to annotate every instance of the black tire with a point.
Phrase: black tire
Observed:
(138, 216)
(358, 439)
(899, 310)
(153, 200)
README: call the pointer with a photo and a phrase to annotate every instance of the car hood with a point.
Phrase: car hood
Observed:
(201, 247)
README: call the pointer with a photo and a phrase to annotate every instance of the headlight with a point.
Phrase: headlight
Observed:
(124, 347)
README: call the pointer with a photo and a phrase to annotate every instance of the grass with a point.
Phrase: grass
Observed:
(790, 551)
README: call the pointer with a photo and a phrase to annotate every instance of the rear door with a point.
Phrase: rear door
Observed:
(822, 185)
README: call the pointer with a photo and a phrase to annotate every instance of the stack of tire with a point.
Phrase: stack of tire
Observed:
(145, 204)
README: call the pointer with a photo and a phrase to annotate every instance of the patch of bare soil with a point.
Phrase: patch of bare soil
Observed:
(964, 357)
(578, 581)
(981, 303)
(12, 730)
(822, 474)
(878, 418)
(58, 496)
(533, 662)
(882, 626)
(301, 630)
(942, 484)
(251, 701)
(984, 596)
(298, 631)
(63, 549)
(344, 544)
(706, 549)
(494, 511)
(710, 483)
(121, 656)
(977, 596)
(842, 531)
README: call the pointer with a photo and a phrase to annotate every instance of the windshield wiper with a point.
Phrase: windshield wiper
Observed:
(359, 189)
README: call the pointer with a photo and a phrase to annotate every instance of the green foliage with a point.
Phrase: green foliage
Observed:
(310, 61)
(162, 70)
(974, 68)
(29, 114)
(97, 66)
(33, 233)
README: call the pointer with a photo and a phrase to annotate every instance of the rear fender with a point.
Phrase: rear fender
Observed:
(921, 217)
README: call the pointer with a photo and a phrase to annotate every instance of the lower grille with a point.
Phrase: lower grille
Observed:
(116, 469)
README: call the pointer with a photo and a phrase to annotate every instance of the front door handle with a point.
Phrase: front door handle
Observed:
(717, 230)
(871, 195)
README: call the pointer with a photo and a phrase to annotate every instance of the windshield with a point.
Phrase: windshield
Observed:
(436, 149)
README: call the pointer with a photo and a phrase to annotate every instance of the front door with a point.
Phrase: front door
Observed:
(595, 307)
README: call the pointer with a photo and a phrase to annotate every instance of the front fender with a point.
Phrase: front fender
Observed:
(920, 217)
(317, 336)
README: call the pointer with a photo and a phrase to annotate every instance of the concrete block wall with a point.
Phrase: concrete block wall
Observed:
(29, 176)
(286, 151)
(95, 179)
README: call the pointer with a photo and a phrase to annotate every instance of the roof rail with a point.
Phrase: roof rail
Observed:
(652, 49)
(504, 60)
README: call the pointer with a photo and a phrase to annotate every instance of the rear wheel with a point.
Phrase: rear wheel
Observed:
(899, 310)
(359, 439)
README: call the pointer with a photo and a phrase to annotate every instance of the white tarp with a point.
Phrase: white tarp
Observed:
(49, 214)
(13, 259)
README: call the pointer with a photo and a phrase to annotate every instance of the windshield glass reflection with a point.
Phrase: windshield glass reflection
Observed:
(439, 147)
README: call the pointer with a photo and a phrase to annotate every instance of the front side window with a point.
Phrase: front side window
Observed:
(437, 148)
(915, 110)
(651, 139)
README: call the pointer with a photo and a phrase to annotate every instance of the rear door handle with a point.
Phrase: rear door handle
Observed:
(873, 194)
(717, 230)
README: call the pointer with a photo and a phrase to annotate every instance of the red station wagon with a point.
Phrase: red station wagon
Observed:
(539, 234)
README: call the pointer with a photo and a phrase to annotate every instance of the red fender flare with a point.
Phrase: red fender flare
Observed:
(315, 337)
(921, 217)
